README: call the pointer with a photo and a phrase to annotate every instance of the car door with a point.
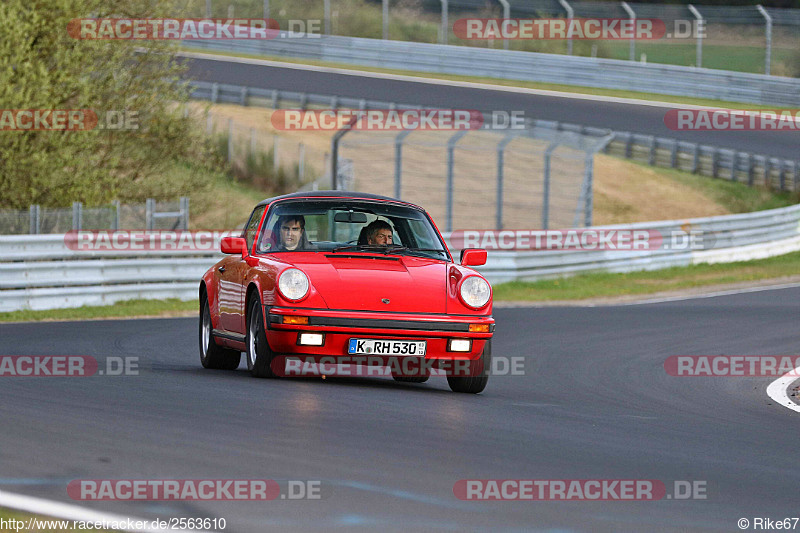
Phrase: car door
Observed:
(232, 289)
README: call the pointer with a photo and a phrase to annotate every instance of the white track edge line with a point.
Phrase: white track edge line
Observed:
(777, 389)
(65, 511)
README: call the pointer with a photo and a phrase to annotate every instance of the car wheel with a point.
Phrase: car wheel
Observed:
(259, 354)
(477, 382)
(213, 355)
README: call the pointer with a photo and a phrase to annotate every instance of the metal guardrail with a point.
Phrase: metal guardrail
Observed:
(717, 162)
(525, 66)
(42, 272)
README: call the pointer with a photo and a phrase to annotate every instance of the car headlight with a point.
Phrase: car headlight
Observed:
(475, 292)
(293, 284)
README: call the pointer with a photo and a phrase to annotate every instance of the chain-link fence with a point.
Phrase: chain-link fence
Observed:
(151, 215)
(480, 179)
(739, 38)
(258, 155)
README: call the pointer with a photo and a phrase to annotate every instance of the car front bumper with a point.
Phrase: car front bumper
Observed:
(339, 326)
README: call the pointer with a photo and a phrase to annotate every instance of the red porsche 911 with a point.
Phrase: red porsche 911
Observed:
(348, 278)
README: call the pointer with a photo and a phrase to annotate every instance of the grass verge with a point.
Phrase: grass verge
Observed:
(126, 309)
(648, 282)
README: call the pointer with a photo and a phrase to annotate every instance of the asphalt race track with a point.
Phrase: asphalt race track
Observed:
(645, 119)
(595, 403)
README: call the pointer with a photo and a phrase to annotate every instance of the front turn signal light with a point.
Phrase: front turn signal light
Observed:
(479, 328)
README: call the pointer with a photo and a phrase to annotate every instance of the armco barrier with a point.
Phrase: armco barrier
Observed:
(41, 272)
(525, 66)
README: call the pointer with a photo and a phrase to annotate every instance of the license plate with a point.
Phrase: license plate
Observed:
(386, 347)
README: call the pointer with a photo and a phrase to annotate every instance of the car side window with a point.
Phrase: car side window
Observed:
(251, 228)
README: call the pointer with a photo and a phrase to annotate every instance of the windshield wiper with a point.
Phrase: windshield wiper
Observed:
(365, 247)
(386, 250)
(398, 248)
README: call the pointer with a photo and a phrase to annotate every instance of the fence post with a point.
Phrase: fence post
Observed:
(77, 216)
(301, 164)
(185, 211)
(398, 161)
(506, 16)
(385, 19)
(651, 160)
(696, 158)
(276, 158)
(335, 152)
(700, 29)
(33, 220)
(230, 140)
(117, 206)
(782, 175)
(501, 150)
(714, 162)
(750, 170)
(149, 209)
(767, 172)
(208, 9)
(327, 16)
(214, 93)
(230, 11)
(275, 99)
(253, 141)
(768, 19)
(546, 190)
(445, 27)
(588, 177)
(266, 9)
(570, 15)
(243, 97)
(209, 122)
(632, 16)
(451, 145)
(796, 176)
(673, 154)
(734, 163)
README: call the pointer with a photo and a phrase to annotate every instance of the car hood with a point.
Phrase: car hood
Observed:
(377, 282)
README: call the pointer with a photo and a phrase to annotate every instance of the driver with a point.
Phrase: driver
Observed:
(291, 233)
(379, 233)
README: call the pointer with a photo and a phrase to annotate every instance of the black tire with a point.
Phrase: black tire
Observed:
(418, 375)
(477, 382)
(410, 379)
(213, 355)
(259, 354)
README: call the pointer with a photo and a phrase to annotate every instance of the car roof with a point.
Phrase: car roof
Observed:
(345, 195)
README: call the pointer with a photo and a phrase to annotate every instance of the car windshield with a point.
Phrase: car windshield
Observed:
(349, 226)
